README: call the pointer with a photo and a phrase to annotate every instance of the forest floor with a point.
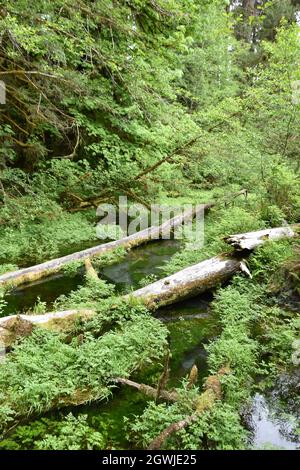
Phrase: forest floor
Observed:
(248, 325)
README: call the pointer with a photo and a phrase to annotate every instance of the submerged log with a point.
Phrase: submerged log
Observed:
(250, 241)
(33, 273)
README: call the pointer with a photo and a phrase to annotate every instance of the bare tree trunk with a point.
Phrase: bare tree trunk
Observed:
(27, 275)
(252, 240)
(189, 282)
(246, 30)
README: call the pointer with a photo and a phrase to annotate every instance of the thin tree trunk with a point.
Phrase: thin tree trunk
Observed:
(212, 393)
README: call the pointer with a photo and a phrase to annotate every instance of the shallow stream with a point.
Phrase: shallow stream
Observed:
(191, 326)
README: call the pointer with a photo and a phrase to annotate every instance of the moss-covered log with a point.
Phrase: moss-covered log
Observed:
(15, 326)
(212, 393)
(33, 273)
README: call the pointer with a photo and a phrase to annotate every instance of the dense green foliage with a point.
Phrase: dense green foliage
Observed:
(161, 101)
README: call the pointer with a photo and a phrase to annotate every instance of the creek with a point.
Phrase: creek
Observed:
(191, 325)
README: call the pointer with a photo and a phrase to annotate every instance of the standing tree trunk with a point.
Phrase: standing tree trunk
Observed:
(246, 30)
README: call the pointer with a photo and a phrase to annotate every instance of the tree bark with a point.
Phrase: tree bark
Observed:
(189, 282)
(27, 275)
(252, 240)
(15, 326)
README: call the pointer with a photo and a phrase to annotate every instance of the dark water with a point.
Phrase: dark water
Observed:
(271, 418)
(274, 417)
(272, 427)
(140, 262)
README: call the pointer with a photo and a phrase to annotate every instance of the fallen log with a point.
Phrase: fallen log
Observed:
(212, 393)
(33, 273)
(165, 395)
(250, 241)
(204, 402)
(15, 326)
(189, 282)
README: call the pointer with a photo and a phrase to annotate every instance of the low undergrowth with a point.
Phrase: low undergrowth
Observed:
(255, 336)
(46, 370)
(257, 339)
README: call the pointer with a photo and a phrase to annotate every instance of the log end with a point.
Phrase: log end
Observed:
(14, 328)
